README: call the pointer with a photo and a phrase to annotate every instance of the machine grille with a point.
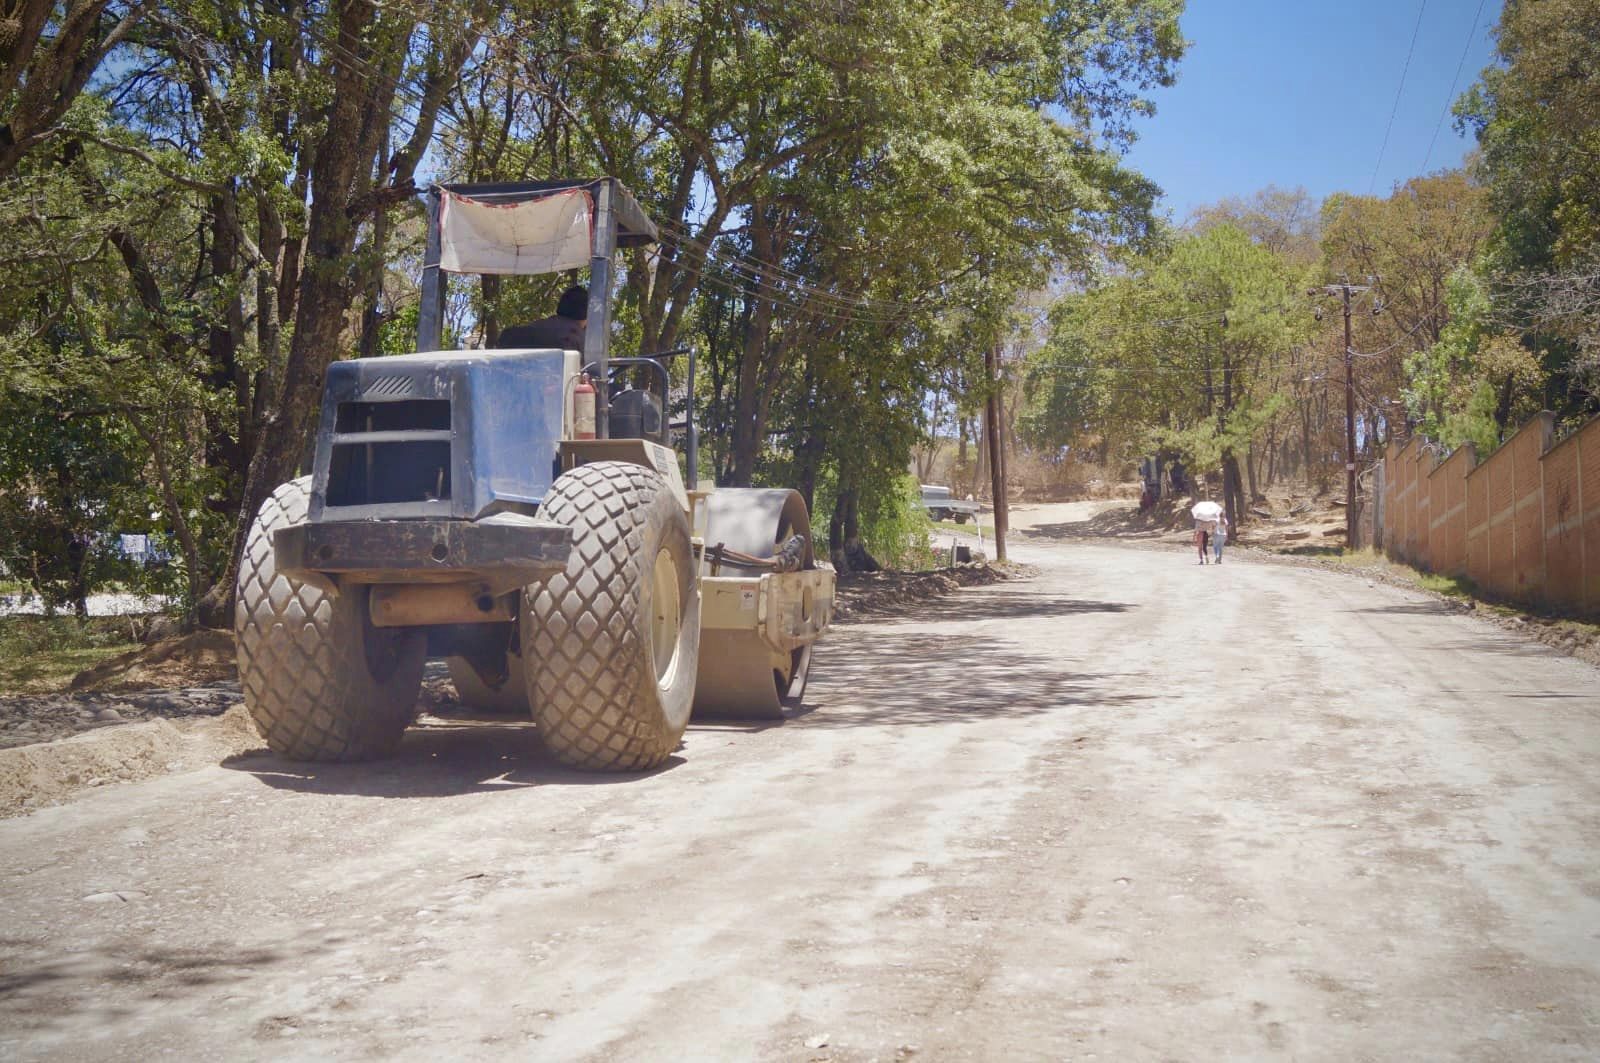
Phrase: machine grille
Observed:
(387, 387)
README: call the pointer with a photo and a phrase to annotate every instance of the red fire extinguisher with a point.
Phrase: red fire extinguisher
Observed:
(583, 408)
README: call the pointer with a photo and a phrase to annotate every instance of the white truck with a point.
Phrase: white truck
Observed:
(941, 505)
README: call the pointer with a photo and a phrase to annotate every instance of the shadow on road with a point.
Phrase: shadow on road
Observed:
(990, 604)
(861, 677)
(40, 985)
(1413, 609)
(1504, 647)
(439, 758)
(887, 679)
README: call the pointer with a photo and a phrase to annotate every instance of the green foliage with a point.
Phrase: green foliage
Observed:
(896, 528)
(398, 333)
(893, 524)
(1475, 384)
(853, 198)
(1536, 113)
(40, 654)
(64, 482)
(1176, 352)
(1537, 118)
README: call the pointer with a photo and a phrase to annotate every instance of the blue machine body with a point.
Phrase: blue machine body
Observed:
(445, 434)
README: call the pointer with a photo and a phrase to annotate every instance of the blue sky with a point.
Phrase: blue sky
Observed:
(1298, 94)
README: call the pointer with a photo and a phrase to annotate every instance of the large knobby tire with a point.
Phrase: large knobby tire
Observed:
(319, 680)
(611, 644)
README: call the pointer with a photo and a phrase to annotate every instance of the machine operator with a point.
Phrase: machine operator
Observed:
(563, 330)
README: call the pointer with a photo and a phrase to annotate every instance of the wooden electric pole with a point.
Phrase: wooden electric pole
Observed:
(997, 461)
(1345, 291)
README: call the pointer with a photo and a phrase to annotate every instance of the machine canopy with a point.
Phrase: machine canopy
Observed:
(530, 228)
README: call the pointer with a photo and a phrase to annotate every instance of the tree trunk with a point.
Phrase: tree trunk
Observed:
(1305, 440)
(980, 468)
(341, 173)
(747, 402)
(1232, 494)
(749, 422)
(812, 444)
(491, 310)
(224, 373)
(372, 288)
(843, 526)
(996, 446)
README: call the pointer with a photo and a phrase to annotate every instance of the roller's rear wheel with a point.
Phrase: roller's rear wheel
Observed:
(320, 681)
(611, 644)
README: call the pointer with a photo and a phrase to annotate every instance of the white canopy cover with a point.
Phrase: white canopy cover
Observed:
(1206, 511)
(542, 235)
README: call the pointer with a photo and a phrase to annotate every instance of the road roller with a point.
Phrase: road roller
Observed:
(523, 514)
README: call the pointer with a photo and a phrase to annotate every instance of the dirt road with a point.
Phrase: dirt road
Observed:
(1131, 809)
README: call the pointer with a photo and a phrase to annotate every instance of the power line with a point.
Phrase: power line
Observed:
(1472, 32)
(751, 265)
(822, 311)
(761, 275)
(1398, 92)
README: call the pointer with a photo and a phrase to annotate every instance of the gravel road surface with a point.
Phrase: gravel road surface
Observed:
(1131, 809)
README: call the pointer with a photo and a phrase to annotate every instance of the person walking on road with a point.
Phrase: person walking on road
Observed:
(1219, 537)
(1206, 515)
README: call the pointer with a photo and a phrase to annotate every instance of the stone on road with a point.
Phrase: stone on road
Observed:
(1133, 808)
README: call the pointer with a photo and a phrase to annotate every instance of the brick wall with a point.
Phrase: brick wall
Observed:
(1522, 524)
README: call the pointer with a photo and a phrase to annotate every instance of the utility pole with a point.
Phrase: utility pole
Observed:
(1345, 291)
(997, 463)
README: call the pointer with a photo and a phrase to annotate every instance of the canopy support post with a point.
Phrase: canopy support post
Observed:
(430, 316)
(597, 333)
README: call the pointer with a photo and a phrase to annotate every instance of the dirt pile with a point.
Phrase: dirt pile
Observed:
(204, 656)
(863, 594)
(1091, 490)
(28, 718)
(1108, 521)
(48, 773)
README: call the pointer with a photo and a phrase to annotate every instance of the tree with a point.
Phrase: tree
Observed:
(214, 201)
(65, 479)
(1284, 221)
(1184, 346)
(1536, 115)
(1475, 385)
(189, 249)
(49, 50)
